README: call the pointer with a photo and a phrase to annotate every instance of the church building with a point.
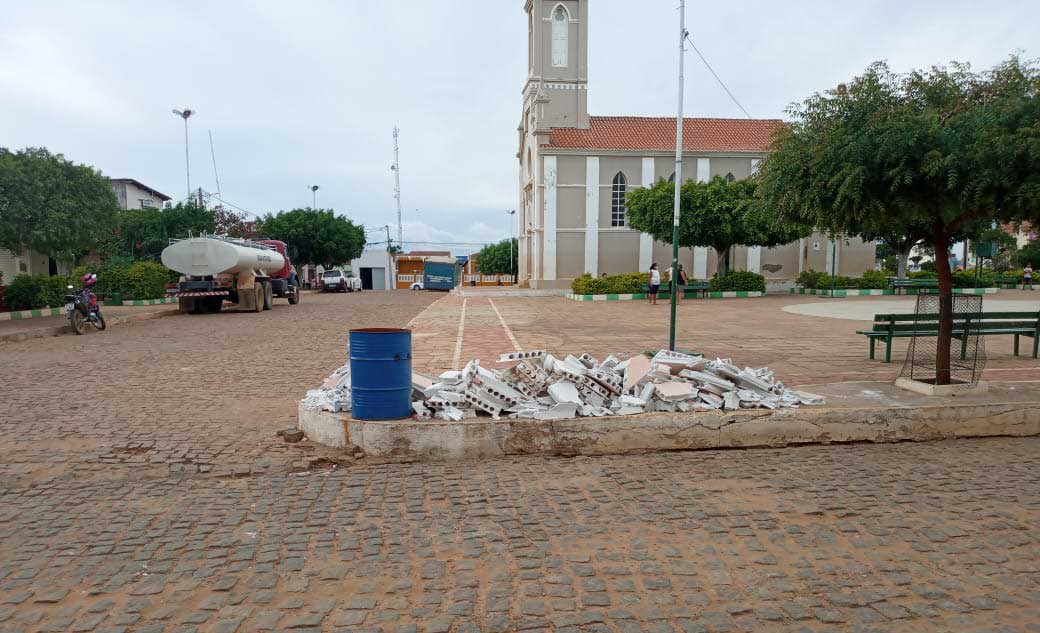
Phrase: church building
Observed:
(575, 170)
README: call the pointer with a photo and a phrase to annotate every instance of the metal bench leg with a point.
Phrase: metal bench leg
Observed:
(1036, 343)
(1016, 345)
(888, 350)
(871, 348)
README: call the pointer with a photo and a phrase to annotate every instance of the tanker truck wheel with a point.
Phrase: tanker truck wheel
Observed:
(258, 298)
(268, 295)
(293, 295)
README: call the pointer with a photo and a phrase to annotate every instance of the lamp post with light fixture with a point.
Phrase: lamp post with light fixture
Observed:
(184, 114)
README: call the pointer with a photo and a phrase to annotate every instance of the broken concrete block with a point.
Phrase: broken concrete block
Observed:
(559, 411)
(675, 391)
(731, 401)
(505, 358)
(633, 401)
(629, 410)
(565, 391)
(638, 367)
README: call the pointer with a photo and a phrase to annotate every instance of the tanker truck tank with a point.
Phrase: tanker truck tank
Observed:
(207, 256)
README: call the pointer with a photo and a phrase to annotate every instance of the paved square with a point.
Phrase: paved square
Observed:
(143, 489)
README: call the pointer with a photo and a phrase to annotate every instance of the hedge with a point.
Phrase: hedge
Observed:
(627, 283)
(30, 292)
(878, 279)
(738, 280)
(136, 280)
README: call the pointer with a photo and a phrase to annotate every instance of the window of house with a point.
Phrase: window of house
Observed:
(617, 200)
(146, 204)
(560, 28)
(730, 177)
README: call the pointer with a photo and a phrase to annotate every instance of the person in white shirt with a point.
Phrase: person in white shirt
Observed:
(654, 281)
(1027, 277)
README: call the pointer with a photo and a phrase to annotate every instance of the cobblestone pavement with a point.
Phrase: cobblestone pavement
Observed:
(196, 393)
(905, 537)
(802, 349)
(129, 502)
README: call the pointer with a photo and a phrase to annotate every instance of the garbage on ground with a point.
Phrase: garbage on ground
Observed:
(540, 386)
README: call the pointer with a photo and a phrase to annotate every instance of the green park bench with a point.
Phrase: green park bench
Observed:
(891, 326)
(921, 284)
(693, 286)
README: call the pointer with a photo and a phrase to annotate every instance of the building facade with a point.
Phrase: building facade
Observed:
(575, 171)
(132, 194)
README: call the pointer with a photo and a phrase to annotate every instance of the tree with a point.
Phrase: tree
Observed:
(498, 259)
(320, 237)
(945, 149)
(145, 233)
(717, 213)
(1029, 254)
(1006, 245)
(51, 205)
(228, 222)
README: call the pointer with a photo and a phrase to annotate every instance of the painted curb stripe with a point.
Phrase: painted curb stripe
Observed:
(729, 294)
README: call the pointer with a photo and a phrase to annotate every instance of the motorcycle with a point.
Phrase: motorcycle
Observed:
(82, 306)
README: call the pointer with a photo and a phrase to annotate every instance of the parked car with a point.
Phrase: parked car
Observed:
(418, 285)
(334, 281)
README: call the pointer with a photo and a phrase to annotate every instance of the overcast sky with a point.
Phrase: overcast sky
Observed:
(300, 93)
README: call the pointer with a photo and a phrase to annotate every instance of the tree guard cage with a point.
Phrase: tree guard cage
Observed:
(967, 351)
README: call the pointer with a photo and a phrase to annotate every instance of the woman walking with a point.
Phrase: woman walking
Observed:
(654, 282)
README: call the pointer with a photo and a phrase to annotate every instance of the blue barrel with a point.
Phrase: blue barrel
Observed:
(381, 373)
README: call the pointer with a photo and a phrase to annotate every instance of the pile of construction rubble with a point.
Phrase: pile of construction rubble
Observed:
(543, 387)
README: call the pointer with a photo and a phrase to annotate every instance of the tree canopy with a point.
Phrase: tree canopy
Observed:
(319, 235)
(144, 233)
(498, 259)
(941, 151)
(51, 205)
(717, 214)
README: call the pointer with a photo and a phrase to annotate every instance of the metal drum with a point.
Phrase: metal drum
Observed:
(381, 373)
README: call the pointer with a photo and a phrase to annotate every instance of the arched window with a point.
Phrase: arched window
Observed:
(730, 177)
(560, 27)
(617, 200)
(672, 177)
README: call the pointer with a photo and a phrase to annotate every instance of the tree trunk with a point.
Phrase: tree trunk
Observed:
(720, 260)
(901, 259)
(942, 266)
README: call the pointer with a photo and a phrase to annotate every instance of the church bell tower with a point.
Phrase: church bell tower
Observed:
(556, 92)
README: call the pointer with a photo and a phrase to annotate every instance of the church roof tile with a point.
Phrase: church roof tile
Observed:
(629, 133)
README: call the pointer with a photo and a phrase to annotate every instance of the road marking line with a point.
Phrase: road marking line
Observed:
(509, 333)
(421, 315)
(458, 339)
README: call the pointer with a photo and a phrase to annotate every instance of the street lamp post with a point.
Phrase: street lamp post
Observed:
(314, 196)
(512, 270)
(184, 114)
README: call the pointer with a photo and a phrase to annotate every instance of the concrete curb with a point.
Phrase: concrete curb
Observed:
(20, 315)
(61, 330)
(482, 437)
(729, 294)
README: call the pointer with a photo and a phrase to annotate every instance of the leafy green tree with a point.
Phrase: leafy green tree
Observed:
(228, 222)
(319, 235)
(51, 205)
(498, 259)
(146, 232)
(946, 149)
(1029, 254)
(716, 214)
(1007, 246)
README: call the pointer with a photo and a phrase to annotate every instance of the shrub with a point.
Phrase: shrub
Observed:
(29, 292)
(738, 280)
(875, 279)
(923, 274)
(810, 278)
(627, 283)
(146, 280)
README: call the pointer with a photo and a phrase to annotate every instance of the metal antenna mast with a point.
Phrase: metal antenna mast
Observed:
(213, 155)
(397, 189)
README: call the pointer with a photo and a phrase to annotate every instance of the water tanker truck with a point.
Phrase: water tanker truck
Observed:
(249, 273)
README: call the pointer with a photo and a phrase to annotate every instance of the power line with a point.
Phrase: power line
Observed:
(716, 76)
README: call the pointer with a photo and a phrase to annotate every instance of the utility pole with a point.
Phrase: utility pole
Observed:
(396, 168)
(512, 270)
(678, 178)
(390, 260)
(314, 196)
(184, 114)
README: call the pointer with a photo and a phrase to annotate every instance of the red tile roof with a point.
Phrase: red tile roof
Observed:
(633, 133)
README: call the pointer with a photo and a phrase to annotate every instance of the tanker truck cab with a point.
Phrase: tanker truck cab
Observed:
(246, 273)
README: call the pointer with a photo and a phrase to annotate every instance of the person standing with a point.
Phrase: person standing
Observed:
(679, 281)
(654, 283)
(1027, 277)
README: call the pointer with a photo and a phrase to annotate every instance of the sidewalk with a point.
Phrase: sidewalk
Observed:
(24, 329)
